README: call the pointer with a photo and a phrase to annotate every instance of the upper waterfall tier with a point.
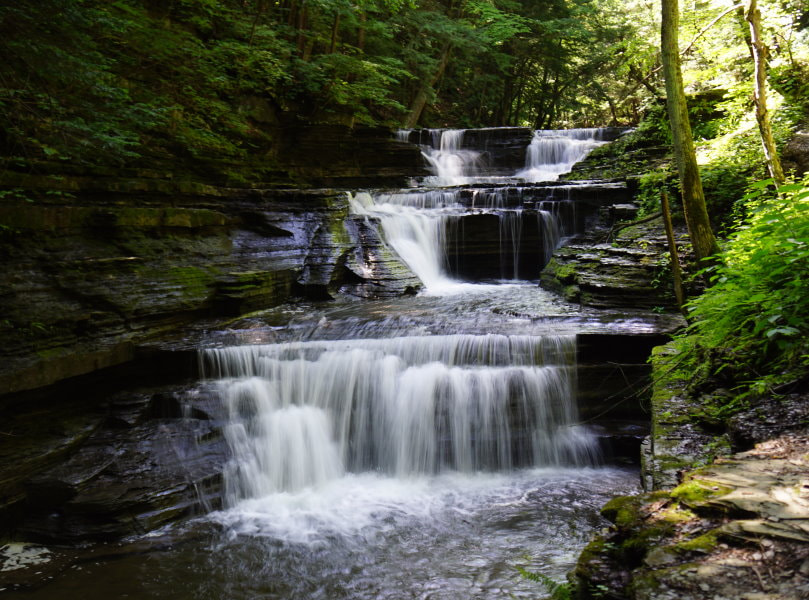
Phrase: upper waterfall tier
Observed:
(504, 154)
(482, 233)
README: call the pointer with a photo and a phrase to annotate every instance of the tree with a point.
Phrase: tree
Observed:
(696, 213)
(760, 52)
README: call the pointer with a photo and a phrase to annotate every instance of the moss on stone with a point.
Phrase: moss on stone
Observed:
(644, 585)
(566, 273)
(49, 353)
(635, 548)
(703, 544)
(627, 511)
(695, 492)
(194, 282)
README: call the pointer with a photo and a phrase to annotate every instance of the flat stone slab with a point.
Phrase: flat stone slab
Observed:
(736, 529)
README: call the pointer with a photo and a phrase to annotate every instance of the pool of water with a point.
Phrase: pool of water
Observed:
(363, 536)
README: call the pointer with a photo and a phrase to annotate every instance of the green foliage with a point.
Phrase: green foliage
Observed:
(651, 185)
(138, 82)
(792, 81)
(558, 591)
(750, 328)
(733, 159)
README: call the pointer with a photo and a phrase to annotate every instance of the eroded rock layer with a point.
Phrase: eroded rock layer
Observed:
(89, 273)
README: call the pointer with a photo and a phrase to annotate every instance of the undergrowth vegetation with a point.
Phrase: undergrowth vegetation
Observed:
(749, 330)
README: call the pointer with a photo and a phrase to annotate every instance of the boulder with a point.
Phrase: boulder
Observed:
(795, 155)
(131, 475)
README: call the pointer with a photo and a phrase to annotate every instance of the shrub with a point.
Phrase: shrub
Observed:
(751, 327)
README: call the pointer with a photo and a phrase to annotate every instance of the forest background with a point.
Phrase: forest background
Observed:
(102, 81)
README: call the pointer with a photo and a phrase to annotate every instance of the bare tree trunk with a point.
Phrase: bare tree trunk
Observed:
(361, 31)
(335, 28)
(696, 213)
(301, 25)
(676, 273)
(292, 17)
(760, 53)
(420, 101)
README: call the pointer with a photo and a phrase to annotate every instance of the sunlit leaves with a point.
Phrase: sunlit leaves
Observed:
(496, 26)
(759, 302)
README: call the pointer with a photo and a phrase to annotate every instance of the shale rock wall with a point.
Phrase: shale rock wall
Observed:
(97, 260)
(87, 277)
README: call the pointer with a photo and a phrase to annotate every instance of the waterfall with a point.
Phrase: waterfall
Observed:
(449, 163)
(403, 135)
(415, 227)
(554, 152)
(419, 223)
(510, 234)
(422, 439)
(302, 414)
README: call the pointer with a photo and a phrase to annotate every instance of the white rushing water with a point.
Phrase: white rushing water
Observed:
(416, 222)
(551, 153)
(352, 455)
(450, 163)
(301, 415)
(415, 225)
(554, 152)
(407, 448)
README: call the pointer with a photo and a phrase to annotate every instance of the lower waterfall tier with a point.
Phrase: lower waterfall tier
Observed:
(302, 414)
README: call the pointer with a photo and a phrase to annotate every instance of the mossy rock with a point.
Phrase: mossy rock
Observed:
(703, 544)
(695, 493)
(628, 511)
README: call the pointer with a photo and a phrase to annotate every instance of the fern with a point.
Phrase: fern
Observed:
(558, 591)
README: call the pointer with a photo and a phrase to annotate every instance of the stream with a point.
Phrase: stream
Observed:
(420, 447)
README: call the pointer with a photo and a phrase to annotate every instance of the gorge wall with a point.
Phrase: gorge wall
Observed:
(96, 261)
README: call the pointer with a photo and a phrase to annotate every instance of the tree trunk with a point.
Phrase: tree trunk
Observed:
(676, 273)
(300, 26)
(292, 17)
(696, 213)
(760, 53)
(335, 28)
(361, 31)
(420, 101)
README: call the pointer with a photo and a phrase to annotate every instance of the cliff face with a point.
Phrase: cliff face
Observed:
(95, 263)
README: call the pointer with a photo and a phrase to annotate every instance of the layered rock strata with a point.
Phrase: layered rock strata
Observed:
(90, 273)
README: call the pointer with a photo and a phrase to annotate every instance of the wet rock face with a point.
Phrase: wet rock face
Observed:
(155, 456)
(625, 272)
(682, 436)
(516, 239)
(88, 277)
(338, 156)
(497, 246)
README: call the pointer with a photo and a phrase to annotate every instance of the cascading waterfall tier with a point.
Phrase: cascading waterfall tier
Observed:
(451, 164)
(554, 152)
(547, 153)
(514, 231)
(302, 414)
(498, 228)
